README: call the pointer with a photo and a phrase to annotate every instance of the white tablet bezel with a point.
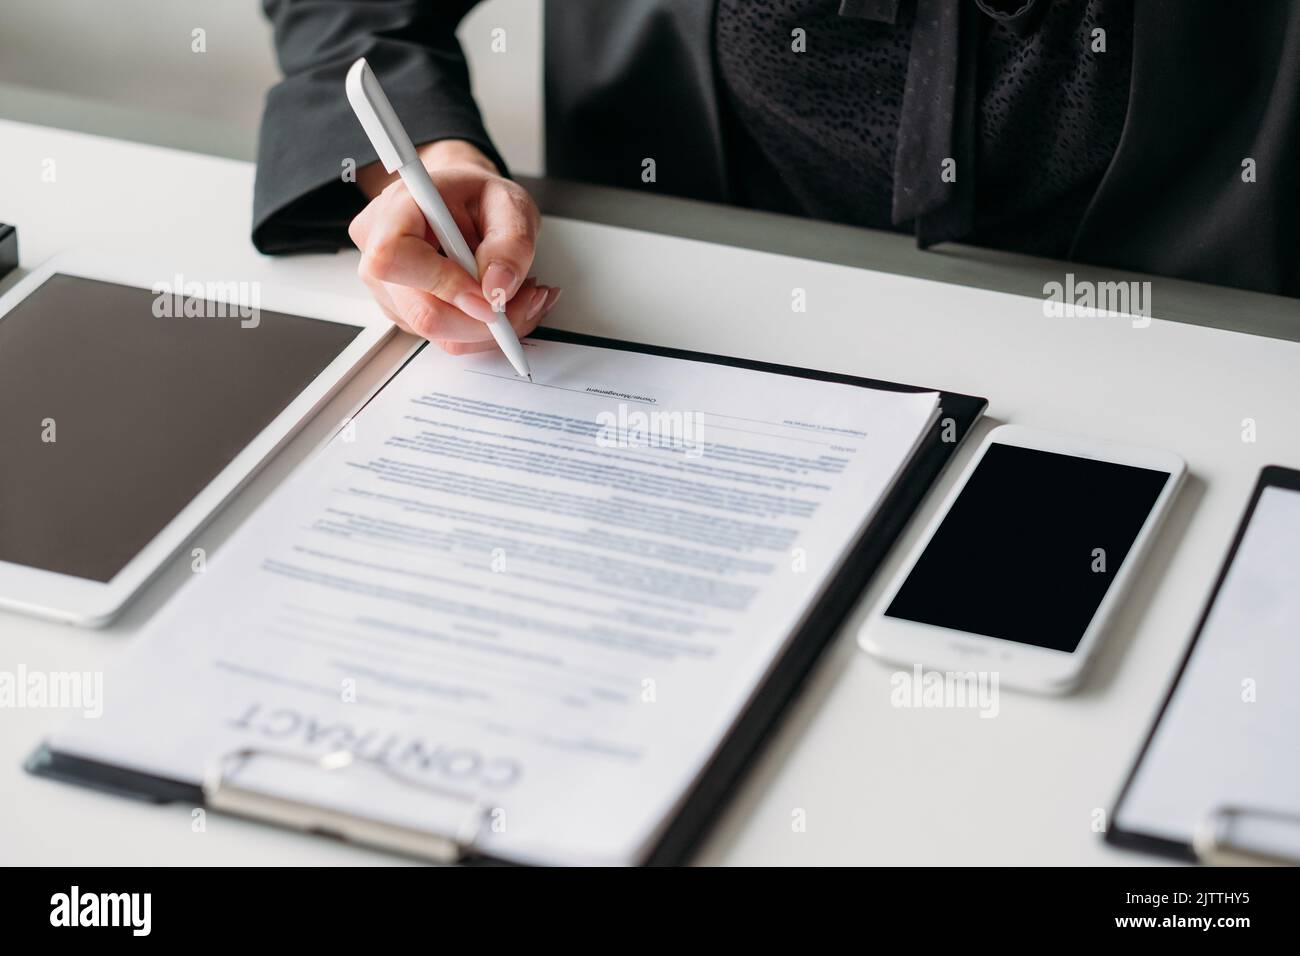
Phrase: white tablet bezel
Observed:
(1038, 669)
(94, 603)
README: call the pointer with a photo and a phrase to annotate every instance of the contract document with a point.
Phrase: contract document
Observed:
(551, 598)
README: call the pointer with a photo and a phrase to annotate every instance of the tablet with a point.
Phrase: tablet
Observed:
(134, 400)
(1226, 739)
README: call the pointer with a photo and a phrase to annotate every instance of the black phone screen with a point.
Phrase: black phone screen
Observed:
(1030, 547)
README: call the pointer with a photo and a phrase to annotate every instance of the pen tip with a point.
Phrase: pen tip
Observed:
(529, 376)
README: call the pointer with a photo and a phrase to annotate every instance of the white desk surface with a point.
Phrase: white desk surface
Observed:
(877, 784)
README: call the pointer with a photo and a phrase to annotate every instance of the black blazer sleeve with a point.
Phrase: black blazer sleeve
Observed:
(301, 202)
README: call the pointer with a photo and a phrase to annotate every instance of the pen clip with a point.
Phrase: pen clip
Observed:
(378, 118)
(224, 793)
(1244, 836)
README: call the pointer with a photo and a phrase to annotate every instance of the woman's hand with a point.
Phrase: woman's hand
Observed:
(426, 293)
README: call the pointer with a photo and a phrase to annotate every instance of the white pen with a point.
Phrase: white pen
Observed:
(396, 152)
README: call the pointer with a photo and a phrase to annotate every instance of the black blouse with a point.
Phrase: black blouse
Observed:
(1020, 104)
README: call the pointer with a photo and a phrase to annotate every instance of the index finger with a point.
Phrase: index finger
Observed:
(509, 221)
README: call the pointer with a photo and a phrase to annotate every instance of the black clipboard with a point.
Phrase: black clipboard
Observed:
(706, 798)
(1269, 477)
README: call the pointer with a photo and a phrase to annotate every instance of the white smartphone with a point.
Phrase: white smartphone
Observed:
(1022, 569)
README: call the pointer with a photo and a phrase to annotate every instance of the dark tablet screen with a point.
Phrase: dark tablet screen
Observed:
(119, 405)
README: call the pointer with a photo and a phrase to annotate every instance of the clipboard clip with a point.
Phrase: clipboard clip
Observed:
(1245, 836)
(224, 792)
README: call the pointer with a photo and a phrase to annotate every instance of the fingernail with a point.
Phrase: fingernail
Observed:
(501, 277)
(536, 302)
(474, 306)
(552, 297)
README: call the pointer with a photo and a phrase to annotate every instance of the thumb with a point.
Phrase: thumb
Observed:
(508, 222)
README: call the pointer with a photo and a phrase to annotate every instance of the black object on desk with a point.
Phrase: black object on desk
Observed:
(8, 249)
